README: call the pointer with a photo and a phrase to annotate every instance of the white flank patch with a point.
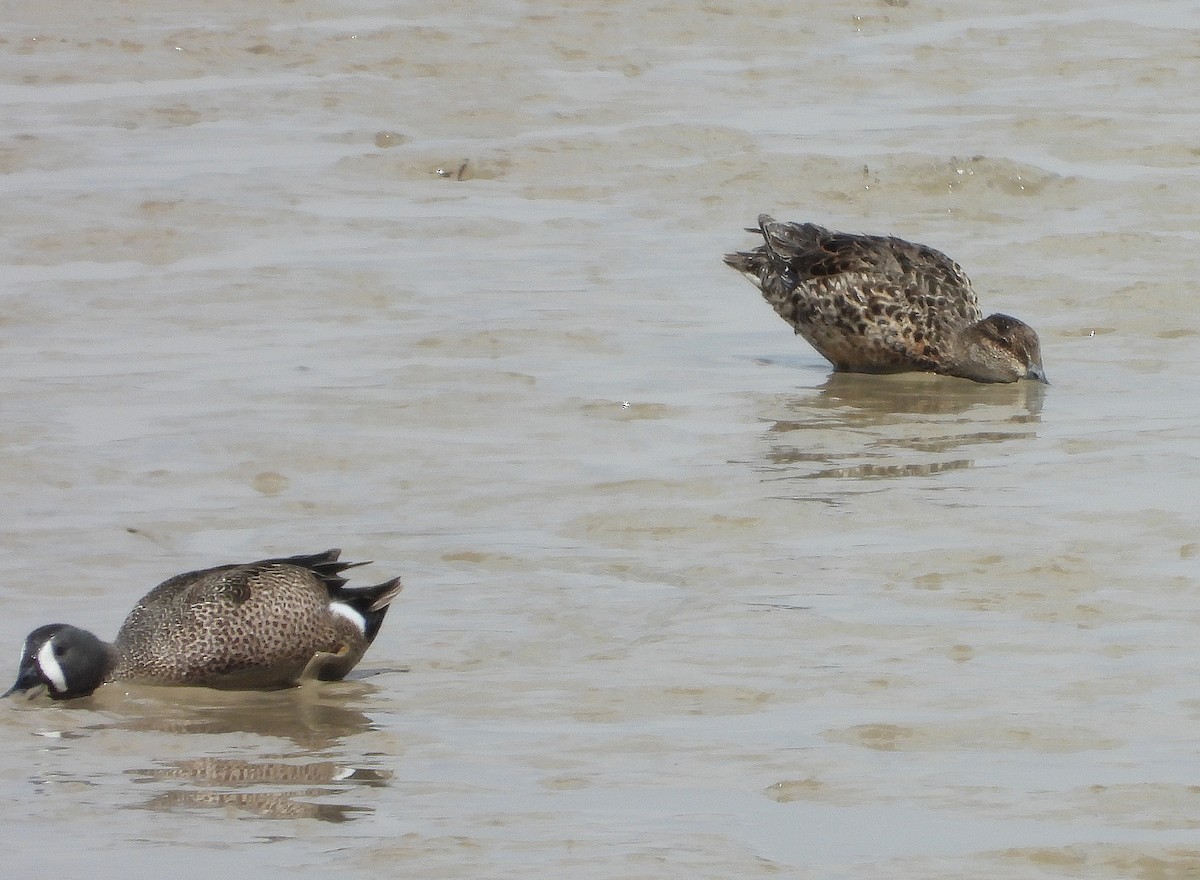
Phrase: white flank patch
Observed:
(341, 609)
(49, 666)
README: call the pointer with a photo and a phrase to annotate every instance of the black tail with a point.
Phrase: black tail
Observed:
(324, 565)
(371, 602)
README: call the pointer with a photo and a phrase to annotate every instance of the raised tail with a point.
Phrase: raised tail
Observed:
(782, 242)
(751, 263)
(324, 565)
(371, 602)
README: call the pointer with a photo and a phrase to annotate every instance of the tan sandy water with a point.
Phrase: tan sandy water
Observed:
(440, 284)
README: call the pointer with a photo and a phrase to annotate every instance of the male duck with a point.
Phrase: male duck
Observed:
(874, 304)
(260, 625)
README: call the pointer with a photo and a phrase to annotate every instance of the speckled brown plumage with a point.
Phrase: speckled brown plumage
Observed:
(874, 304)
(258, 625)
(264, 624)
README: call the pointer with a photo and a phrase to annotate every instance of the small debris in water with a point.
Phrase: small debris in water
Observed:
(457, 175)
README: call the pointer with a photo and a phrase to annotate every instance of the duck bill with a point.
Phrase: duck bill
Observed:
(29, 681)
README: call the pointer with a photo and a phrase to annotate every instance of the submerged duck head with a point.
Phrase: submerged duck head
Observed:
(1001, 348)
(62, 661)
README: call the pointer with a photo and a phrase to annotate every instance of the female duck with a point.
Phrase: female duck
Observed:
(873, 304)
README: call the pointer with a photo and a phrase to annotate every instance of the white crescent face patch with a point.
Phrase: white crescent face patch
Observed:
(49, 666)
(341, 609)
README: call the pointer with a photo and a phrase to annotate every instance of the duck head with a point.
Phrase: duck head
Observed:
(63, 661)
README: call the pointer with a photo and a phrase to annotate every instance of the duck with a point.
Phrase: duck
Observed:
(879, 304)
(252, 626)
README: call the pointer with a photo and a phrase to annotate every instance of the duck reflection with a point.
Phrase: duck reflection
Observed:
(884, 427)
(293, 741)
(317, 716)
(927, 394)
(222, 783)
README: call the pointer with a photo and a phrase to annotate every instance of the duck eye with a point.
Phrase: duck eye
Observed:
(59, 650)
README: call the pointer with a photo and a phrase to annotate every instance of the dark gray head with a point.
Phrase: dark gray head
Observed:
(1002, 349)
(63, 660)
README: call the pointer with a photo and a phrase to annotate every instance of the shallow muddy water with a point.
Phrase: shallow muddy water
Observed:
(441, 285)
